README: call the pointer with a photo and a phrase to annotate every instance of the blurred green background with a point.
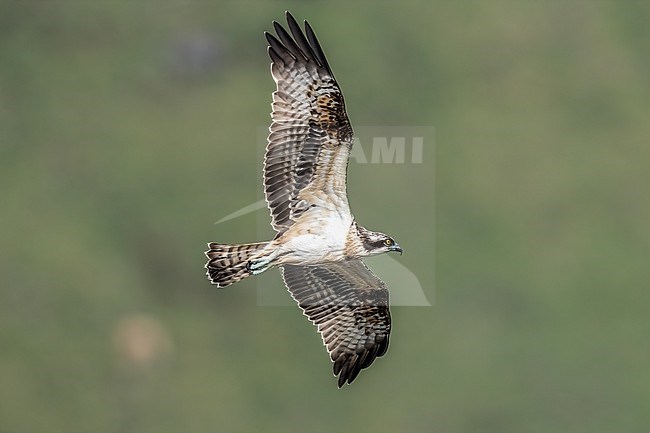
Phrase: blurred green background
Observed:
(128, 128)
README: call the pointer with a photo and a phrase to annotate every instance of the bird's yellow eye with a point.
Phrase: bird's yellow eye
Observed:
(388, 242)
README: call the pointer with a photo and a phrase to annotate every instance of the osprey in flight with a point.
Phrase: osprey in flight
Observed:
(319, 245)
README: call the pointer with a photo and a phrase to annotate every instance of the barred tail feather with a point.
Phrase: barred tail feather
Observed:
(228, 264)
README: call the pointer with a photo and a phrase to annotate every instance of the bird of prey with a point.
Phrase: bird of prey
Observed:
(319, 245)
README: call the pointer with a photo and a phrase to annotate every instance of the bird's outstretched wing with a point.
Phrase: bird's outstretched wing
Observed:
(310, 137)
(349, 306)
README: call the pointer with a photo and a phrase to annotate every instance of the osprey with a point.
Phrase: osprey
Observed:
(319, 245)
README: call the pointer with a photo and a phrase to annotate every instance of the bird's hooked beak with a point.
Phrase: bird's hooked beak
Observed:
(395, 247)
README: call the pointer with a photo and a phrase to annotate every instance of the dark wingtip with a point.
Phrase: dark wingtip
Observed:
(290, 19)
(275, 57)
(317, 49)
(300, 44)
(268, 37)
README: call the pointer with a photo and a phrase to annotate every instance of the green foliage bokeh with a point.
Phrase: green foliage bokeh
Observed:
(118, 153)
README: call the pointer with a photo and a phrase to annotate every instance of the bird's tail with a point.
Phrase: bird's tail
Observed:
(228, 264)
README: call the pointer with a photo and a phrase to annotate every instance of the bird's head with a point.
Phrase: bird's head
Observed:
(377, 243)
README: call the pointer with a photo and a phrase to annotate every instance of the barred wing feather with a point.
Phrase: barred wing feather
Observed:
(349, 306)
(310, 136)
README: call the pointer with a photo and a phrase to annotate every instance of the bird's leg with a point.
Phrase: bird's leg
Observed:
(261, 264)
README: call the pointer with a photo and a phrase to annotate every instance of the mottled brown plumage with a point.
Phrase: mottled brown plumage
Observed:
(349, 306)
(310, 135)
(318, 245)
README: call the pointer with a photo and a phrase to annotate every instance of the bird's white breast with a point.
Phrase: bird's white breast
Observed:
(319, 236)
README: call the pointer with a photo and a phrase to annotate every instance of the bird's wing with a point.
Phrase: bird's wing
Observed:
(349, 306)
(310, 137)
